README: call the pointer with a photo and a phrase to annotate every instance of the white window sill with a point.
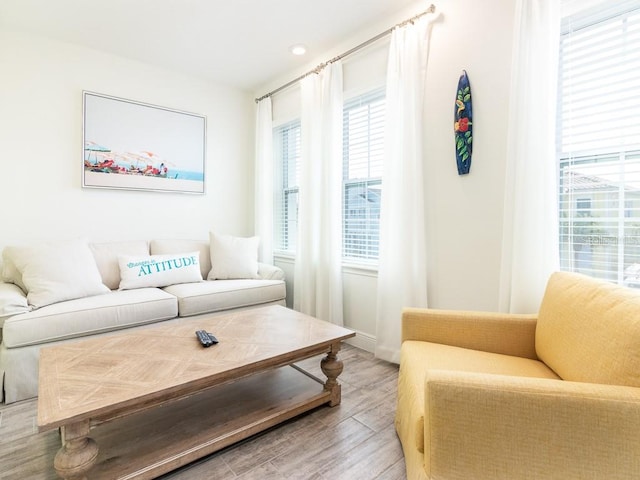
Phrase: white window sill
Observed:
(348, 266)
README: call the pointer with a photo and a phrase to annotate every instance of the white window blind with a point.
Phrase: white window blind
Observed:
(599, 143)
(287, 155)
(363, 152)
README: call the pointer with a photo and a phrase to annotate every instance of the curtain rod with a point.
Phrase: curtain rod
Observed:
(431, 9)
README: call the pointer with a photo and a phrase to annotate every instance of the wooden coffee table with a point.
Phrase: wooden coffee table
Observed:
(155, 399)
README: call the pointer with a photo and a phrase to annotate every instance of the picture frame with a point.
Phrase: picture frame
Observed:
(138, 146)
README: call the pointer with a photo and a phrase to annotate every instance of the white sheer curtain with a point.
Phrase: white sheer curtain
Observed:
(263, 211)
(318, 269)
(530, 230)
(402, 272)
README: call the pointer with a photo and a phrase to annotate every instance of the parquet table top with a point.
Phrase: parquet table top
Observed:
(97, 379)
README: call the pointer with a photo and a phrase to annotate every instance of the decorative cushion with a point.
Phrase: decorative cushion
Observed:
(171, 246)
(106, 255)
(56, 271)
(233, 257)
(158, 270)
(588, 330)
(10, 273)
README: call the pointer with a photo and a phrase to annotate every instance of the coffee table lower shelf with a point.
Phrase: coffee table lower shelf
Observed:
(147, 444)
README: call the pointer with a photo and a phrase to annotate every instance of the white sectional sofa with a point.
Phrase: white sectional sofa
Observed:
(31, 318)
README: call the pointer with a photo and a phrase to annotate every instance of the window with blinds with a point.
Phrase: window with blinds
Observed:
(287, 155)
(599, 143)
(363, 152)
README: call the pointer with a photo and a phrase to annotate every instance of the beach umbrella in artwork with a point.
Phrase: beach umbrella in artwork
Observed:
(96, 149)
(134, 160)
(153, 159)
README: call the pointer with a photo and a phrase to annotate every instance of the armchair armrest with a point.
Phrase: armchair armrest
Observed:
(270, 272)
(485, 426)
(508, 334)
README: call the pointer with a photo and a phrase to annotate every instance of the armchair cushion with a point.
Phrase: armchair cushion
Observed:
(436, 356)
(581, 318)
(502, 427)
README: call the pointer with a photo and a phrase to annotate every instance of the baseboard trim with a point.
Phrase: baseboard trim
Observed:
(364, 341)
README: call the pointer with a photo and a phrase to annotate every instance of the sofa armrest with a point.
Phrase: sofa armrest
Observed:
(508, 334)
(501, 427)
(13, 301)
(270, 272)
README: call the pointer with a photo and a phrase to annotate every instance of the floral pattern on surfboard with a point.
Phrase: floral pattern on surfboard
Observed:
(463, 125)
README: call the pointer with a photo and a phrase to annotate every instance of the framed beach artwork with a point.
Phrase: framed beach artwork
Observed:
(137, 146)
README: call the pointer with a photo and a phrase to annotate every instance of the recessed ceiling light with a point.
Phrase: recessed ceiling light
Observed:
(298, 49)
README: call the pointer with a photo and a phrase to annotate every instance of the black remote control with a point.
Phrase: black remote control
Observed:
(212, 337)
(204, 338)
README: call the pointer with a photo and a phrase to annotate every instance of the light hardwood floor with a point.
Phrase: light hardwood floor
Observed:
(353, 441)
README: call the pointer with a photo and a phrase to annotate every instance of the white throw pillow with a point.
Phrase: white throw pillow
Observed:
(158, 270)
(173, 245)
(233, 257)
(56, 271)
(10, 274)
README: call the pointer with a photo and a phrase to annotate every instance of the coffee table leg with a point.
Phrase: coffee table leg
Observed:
(332, 367)
(78, 452)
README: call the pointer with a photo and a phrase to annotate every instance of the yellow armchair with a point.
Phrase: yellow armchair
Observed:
(549, 396)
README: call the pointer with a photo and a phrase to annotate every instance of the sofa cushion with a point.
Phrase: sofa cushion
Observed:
(158, 270)
(589, 330)
(417, 357)
(233, 257)
(87, 316)
(167, 246)
(106, 255)
(56, 271)
(213, 296)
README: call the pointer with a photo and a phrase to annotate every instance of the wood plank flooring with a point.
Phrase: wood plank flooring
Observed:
(353, 441)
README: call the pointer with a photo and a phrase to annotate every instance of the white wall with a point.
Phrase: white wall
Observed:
(464, 212)
(41, 84)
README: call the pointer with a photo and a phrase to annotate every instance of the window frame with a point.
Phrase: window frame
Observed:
(286, 141)
(603, 240)
(369, 238)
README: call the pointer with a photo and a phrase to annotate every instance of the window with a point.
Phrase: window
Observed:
(287, 153)
(599, 143)
(363, 153)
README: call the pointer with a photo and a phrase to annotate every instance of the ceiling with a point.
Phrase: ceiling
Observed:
(244, 43)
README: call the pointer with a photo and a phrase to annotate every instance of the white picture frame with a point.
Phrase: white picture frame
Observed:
(138, 146)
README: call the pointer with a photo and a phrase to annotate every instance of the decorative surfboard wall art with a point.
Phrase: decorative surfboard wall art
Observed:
(463, 125)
